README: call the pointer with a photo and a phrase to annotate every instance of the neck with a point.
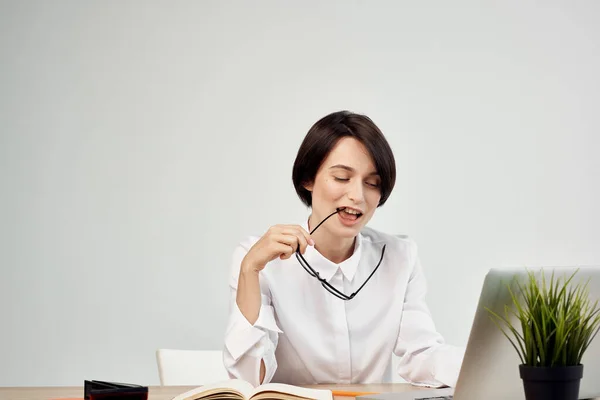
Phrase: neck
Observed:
(333, 248)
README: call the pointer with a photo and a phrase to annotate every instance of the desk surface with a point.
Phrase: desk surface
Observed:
(168, 392)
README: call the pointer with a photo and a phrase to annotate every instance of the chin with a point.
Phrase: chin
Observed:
(348, 231)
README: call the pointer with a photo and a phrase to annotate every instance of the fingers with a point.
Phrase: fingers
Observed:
(299, 241)
(301, 233)
(306, 235)
(285, 251)
(291, 240)
(286, 239)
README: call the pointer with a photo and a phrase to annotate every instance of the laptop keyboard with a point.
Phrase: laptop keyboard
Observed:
(435, 398)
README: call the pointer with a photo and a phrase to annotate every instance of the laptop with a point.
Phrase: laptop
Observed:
(490, 368)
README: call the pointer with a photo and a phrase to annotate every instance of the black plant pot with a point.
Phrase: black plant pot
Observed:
(551, 383)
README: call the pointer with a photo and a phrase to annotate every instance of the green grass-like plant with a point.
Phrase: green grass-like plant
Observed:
(557, 320)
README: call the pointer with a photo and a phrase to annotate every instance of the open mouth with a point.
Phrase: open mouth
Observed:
(349, 214)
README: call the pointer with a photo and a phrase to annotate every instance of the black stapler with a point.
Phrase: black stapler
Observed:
(96, 390)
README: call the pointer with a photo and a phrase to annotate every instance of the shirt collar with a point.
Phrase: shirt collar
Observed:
(327, 268)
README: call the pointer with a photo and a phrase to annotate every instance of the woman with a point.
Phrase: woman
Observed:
(328, 301)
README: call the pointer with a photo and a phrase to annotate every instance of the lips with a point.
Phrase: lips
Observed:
(349, 216)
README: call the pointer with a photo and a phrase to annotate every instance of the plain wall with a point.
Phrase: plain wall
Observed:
(140, 141)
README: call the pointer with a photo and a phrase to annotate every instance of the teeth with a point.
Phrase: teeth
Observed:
(350, 211)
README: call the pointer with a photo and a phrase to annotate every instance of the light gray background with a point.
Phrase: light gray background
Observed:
(139, 141)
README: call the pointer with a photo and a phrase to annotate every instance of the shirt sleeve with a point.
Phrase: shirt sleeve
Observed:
(425, 359)
(247, 344)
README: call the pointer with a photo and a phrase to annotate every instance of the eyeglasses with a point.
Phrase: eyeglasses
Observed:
(331, 289)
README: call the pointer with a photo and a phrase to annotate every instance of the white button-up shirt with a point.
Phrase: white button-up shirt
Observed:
(306, 335)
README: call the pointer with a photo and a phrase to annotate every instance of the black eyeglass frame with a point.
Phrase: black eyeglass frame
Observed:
(330, 288)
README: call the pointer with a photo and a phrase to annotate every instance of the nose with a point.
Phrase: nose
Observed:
(356, 192)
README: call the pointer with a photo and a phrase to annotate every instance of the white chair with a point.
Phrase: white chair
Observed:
(190, 367)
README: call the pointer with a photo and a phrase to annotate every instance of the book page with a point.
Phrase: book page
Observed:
(283, 391)
(230, 389)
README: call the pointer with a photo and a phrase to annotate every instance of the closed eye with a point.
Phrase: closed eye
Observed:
(341, 179)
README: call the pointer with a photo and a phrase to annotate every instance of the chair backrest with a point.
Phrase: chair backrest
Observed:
(190, 367)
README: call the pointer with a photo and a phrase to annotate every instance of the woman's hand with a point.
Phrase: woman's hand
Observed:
(279, 241)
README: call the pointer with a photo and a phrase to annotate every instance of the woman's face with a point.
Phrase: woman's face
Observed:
(347, 178)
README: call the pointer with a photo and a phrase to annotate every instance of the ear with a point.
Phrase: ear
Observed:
(309, 186)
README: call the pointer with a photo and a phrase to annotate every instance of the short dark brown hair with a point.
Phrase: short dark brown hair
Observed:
(324, 135)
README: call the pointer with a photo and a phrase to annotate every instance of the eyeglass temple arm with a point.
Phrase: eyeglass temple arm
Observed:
(337, 210)
(372, 273)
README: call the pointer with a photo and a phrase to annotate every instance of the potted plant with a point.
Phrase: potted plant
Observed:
(555, 322)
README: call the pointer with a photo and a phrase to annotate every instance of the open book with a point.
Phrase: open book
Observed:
(236, 389)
